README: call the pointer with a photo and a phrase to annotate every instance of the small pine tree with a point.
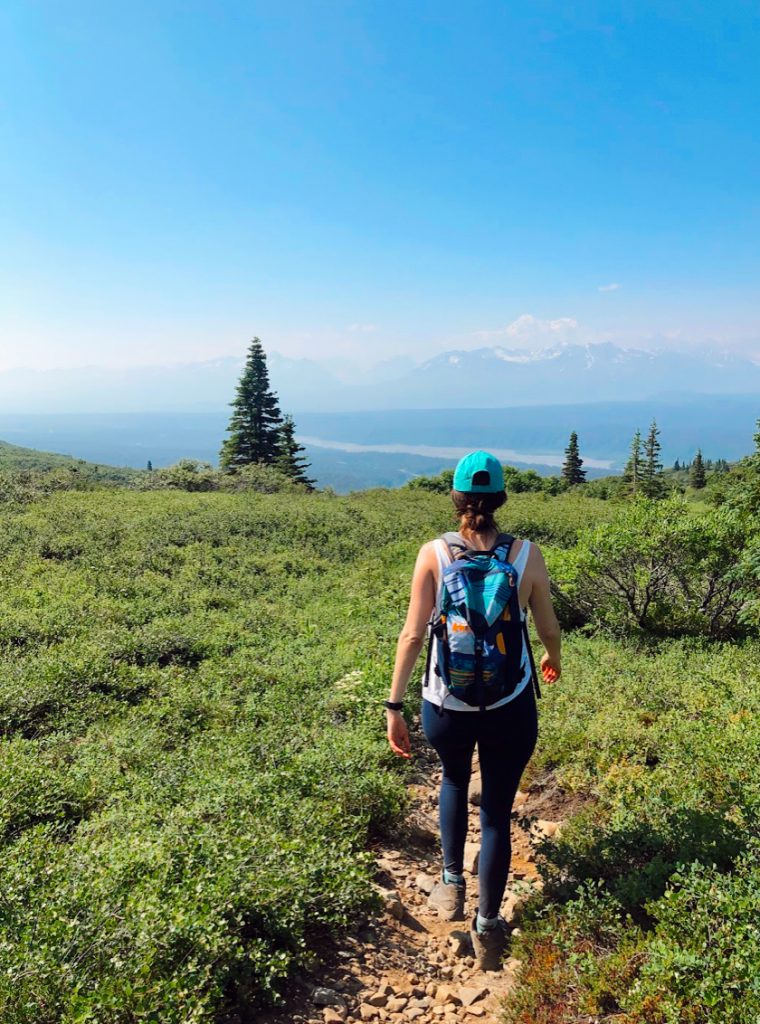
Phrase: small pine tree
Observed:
(571, 469)
(676, 466)
(150, 466)
(290, 459)
(651, 477)
(698, 477)
(633, 470)
(255, 424)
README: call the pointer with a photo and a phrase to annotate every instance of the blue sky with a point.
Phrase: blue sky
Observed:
(374, 178)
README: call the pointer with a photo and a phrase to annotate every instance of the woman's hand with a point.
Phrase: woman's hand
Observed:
(398, 734)
(551, 669)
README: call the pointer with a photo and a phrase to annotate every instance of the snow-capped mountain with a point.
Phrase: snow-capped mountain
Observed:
(498, 376)
(479, 378)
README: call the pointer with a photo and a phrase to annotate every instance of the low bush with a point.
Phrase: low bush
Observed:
(663, 568)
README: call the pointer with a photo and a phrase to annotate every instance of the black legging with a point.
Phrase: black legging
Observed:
(506, 737)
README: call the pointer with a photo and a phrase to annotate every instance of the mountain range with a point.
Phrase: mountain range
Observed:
(489, 377)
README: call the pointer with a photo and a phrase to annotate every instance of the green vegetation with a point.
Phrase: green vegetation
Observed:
(194, 760)
(15, 460)
(26, 474)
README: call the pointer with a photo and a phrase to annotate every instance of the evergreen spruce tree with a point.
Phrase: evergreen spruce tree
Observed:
(676, 466)
(290, 459)
(255, 424)
(150, 466)
(651, 476)
(634, 466)
(698, 478)
(571, 469)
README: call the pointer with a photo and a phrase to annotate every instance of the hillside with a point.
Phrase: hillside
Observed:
(14, 459)
(195, 769)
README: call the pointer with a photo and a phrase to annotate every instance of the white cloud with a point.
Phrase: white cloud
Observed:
(361, 328)
(608, 287)
(529, 330)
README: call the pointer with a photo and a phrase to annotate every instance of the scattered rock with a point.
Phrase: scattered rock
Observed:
(322, 996)
(468, 996)
(396, 1004)
(471, 857)
(459, 941)
(476, 790)
(425, 883)
(413, 1012)
(367, 1011)
(475, 1011)
(377, 999)
(392, 901)
(445, 994)
(332, 1016)
(513, 906)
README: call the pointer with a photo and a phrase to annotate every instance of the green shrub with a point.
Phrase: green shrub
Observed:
(661, 567)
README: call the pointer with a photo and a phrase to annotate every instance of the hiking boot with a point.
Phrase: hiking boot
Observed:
(489, 945)
(448, 899)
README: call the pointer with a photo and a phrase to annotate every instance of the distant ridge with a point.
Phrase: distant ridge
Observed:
(560, 374)
(15, 458)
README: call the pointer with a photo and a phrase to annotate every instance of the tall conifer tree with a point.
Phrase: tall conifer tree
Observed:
(651, 477)
(698, 477)
(633, 470)
(290, 459)
(571, 469)
(254, 428)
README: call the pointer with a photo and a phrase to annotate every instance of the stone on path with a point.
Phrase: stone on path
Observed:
(425, 882)
(471, 995)
(547, 828)
(322, 996)
(445, 994)
(460, 943)
(471, 857)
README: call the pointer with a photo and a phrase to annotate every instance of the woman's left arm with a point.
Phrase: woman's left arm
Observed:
(410, 643)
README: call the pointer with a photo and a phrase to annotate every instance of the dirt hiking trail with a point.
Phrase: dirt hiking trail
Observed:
(405, 964)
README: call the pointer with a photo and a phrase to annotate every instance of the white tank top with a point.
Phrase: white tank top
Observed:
(436, 690)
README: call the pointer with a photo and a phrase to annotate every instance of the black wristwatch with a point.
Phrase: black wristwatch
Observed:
(393, 705)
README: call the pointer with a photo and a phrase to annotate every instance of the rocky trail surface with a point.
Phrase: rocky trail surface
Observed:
(405, 964)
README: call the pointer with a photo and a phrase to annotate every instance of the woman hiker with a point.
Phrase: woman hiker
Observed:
(504, 730)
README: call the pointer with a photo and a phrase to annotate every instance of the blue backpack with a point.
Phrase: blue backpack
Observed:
(479, 630)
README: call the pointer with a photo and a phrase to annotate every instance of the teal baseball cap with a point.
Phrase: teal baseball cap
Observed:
(479, 472)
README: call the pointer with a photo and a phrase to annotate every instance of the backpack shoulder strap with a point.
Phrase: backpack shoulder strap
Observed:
(455, 544)
(503, 543)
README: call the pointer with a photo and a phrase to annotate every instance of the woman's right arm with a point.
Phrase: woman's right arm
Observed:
(542, 609)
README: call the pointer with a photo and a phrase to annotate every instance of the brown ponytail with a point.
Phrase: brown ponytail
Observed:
(475, 511)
